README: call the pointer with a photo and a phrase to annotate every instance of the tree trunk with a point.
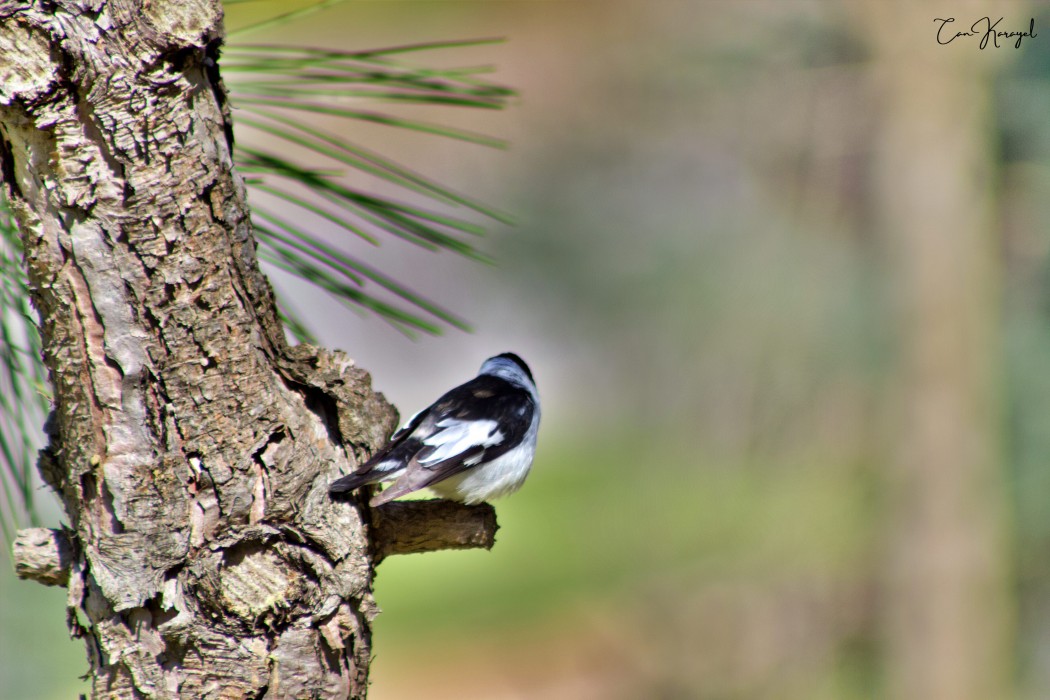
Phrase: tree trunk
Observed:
(191, 447)
(948, 618)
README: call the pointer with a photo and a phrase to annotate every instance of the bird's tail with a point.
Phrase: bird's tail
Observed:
(351, 482)
(385, 465)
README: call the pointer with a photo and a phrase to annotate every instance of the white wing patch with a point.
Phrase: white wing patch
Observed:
(388, 465)
(458, 436)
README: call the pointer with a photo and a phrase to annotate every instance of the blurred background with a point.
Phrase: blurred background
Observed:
(780, 269)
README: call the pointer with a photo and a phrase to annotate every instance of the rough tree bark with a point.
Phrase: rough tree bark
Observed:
(191, 447)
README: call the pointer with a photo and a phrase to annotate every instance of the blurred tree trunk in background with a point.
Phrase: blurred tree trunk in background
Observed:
(947, 564)
(189, 444)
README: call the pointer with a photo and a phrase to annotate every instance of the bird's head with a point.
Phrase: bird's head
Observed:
(508, 366)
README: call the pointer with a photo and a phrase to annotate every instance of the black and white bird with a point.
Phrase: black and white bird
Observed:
(474, 443)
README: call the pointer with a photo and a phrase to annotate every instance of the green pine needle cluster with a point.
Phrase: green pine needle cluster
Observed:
(276, 91)
(24, 391)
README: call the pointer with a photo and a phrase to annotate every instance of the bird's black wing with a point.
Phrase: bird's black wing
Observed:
(487, 412)
(399, 450)
(471, 424)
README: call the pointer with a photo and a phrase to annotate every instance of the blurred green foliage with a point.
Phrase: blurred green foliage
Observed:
(37, 658)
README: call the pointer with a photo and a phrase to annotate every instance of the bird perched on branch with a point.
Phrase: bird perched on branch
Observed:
(474, 443)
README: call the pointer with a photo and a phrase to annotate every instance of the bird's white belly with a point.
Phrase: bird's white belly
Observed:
(501, 476)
